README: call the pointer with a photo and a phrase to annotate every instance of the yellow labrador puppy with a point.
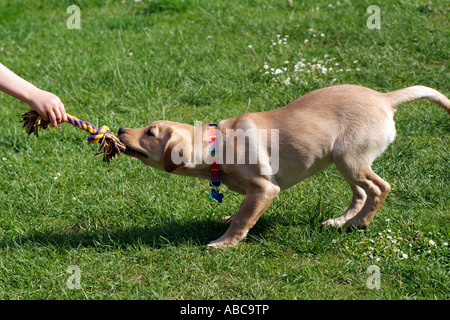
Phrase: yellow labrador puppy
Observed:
(262, 153)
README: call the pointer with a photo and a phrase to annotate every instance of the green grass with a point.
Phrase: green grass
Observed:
(137, 233)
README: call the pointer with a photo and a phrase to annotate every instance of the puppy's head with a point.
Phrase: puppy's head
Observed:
(163, 145)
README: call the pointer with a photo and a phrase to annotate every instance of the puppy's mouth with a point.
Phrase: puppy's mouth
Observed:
(134, 153)
(130, 151)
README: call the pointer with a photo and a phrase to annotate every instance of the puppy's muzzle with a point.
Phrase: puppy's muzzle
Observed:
(130, 151)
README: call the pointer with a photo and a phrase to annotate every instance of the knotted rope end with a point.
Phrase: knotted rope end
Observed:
(110, 145)
(32, 121)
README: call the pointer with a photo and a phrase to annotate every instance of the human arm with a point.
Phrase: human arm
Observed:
(48, 105)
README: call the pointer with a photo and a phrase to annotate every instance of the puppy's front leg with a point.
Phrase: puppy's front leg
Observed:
(258, 199)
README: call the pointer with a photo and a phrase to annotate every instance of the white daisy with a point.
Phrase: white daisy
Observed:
(278, 71)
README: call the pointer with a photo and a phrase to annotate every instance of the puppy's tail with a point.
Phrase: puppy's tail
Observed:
(418, 92)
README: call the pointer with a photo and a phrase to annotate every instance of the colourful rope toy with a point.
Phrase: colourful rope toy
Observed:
(110, 145)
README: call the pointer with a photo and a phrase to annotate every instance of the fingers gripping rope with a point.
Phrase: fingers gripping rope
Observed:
(110, 145)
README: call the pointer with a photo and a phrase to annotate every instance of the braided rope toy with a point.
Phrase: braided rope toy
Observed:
(110, 145)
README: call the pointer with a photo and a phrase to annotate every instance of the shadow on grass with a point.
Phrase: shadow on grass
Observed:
(169, 233)
(172, 233)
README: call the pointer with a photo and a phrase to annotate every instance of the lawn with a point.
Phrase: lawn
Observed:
(138, 233)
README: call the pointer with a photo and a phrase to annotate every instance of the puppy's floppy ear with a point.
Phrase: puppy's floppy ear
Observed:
(177, 150)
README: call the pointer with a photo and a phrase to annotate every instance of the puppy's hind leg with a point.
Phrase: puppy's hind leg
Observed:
(358, 201)
(377, 190)
(360, 174)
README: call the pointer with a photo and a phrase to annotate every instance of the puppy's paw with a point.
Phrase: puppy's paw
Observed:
(220, 245)
(355, 224)
(336, 223)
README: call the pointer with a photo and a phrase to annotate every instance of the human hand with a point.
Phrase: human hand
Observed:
(49, 106)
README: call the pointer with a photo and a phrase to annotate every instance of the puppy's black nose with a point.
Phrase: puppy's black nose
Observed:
(121, 131)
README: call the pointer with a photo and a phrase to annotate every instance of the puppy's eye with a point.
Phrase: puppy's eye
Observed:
(149, 133)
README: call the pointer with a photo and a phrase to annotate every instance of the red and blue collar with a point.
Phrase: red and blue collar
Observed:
(216, 181)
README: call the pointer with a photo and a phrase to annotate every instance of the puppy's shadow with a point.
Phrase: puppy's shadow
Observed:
(192, 232)
(174, 232)
(195, 232)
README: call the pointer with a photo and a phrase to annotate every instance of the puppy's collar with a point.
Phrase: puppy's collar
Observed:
(216, 181)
